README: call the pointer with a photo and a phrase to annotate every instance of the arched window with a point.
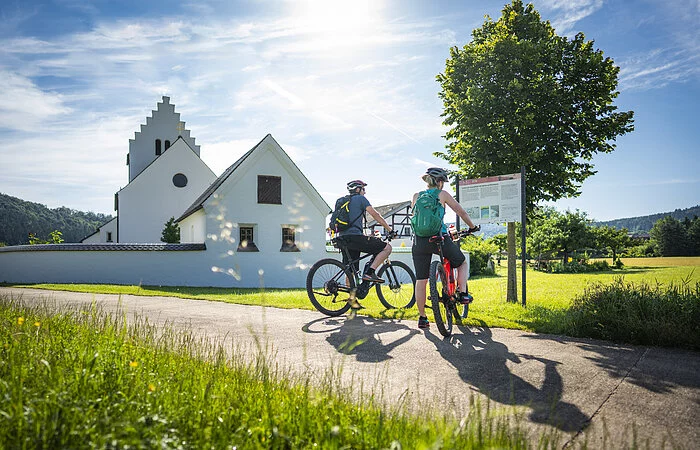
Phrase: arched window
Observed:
(167, 145)
(157, 147)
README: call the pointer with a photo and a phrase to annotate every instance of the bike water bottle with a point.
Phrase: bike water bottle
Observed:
(453, 231)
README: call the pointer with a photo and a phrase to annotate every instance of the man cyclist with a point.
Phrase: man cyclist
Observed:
(423, 249)
(354, 239)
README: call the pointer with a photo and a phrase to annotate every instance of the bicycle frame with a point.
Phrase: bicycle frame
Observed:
(450, 272)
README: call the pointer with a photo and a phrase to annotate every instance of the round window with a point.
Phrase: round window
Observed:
(179, 180)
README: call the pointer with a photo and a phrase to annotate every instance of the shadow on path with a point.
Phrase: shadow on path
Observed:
(481, 362)
(368, 339)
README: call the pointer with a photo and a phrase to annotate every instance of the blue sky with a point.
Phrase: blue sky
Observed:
(347, 88)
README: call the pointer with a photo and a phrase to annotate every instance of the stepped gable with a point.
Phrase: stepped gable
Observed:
(162, 128)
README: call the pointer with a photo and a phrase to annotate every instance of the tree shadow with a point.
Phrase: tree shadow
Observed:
(368, 339)
(481, 363)
(655, 369)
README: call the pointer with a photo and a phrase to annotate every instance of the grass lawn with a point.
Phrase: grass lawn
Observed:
(548, 295)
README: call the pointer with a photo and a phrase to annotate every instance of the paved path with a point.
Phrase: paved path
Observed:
(575, 386)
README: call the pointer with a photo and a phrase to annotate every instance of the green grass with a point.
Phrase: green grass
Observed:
(549, 296)
(85, 379)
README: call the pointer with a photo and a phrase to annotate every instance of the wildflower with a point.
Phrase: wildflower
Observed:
(151, 387)
(20, 320)
(37, 324)
(134, 364)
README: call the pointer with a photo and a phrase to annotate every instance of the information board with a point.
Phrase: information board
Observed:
(494, 199)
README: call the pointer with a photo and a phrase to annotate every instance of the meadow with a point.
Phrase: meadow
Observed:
(556, 303)
(85, 379)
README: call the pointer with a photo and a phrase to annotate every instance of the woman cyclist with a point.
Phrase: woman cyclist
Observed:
(423, 249)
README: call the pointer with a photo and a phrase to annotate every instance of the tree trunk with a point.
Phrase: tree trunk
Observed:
(512, 295)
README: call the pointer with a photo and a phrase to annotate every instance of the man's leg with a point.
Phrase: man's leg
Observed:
(381, 257)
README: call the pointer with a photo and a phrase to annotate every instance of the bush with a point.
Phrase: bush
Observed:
(578, 267)
(638, 314)
(480, 253)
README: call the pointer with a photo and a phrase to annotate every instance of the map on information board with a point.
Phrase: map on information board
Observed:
(494, 199)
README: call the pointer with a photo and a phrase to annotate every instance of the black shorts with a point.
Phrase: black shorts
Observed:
(357, 243)
(423, 251)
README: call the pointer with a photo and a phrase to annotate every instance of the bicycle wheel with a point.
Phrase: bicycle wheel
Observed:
(329, 285)
(399, 287)
(439, 298)
(460, 312)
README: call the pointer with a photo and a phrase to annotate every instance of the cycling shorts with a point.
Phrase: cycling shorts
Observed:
(423, 251)
(356, 244)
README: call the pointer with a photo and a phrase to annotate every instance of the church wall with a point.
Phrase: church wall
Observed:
(149, 201)
(238, 205)
(194, 227)
(106, 233)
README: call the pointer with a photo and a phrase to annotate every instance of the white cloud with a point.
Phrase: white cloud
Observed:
(566, 13)
(23, 106)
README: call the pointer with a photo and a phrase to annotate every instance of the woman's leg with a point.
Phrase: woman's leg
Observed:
(421, 296)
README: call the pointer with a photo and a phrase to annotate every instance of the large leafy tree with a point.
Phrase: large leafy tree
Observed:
(520, 95)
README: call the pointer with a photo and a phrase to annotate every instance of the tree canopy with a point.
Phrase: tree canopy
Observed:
(520, 95)
(20, 218)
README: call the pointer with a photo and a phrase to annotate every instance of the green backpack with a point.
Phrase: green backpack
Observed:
(427, 214)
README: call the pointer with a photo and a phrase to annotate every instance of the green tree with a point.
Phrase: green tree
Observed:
(611, 238)
(694, 236)
(543, 235)
(670, 237)
(56, 238)
(171, 232)
(520, 95)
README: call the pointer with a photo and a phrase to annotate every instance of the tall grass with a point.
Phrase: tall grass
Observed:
(643, 313)
(89, 380)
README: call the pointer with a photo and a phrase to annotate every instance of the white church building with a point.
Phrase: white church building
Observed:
(261, 223)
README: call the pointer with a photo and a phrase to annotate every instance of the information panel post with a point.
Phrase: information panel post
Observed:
(523, 215)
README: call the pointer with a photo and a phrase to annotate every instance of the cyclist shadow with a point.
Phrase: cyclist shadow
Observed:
(481, 362)
(353, 338)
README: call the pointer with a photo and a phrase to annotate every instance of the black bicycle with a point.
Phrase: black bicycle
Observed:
(332, 286)
(444, 295)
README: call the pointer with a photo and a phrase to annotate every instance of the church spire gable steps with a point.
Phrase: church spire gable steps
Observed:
(161, 130)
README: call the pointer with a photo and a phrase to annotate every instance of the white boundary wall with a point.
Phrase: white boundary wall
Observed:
(164, 268)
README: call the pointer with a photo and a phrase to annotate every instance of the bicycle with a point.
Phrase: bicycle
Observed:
(332, 285)
(444, 296)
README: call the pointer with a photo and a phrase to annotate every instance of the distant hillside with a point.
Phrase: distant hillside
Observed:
(645, 223)
(18, 218)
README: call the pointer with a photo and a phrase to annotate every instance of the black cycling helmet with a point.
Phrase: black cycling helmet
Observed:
(437, 173)
(354, 184)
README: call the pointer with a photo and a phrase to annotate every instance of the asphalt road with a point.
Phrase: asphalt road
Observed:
(589, 391)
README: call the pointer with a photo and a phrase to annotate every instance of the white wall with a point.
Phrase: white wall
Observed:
(237, 203)
(165, 268)
(194, 227)
(149, 201)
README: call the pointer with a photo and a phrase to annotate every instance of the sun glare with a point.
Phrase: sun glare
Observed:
(336, 21)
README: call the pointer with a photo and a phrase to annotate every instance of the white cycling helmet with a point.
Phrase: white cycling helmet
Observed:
(437, 173)
(354, 184)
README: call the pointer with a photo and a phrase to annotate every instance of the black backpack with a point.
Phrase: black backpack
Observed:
(340, 219)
